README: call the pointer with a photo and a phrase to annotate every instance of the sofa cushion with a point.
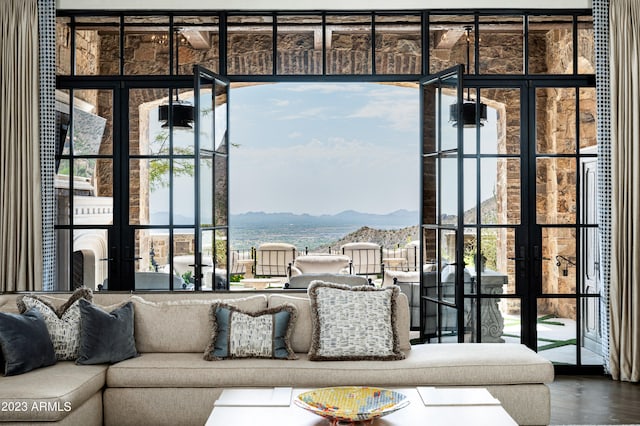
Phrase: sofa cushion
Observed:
(68, 386)
(24, 342)
(181, 325)
(106, 337)
(464, 364)
(240, 334)
(63, 321)
(301, 337)
(353, 323)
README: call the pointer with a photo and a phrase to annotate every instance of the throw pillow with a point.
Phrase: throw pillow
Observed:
(240, 334)
(106, 337)
(353, 323)
(25, 342)
(63, 322)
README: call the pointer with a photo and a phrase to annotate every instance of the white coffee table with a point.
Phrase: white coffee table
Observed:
(273, 407)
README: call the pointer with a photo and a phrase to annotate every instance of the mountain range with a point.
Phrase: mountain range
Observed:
(398, 218)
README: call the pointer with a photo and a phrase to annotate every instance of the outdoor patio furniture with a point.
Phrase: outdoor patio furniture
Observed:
(320, 263)
(303, 281)
(273, 259)
(365, 257)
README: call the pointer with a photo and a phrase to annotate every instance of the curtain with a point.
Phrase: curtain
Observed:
(624, 20)
(20, 189)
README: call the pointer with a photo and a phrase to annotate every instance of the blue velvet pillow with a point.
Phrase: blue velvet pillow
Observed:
(25, 342)
(106, 337)
(239, 334)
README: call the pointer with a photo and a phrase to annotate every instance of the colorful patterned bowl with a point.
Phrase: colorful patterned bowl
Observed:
(351, 403)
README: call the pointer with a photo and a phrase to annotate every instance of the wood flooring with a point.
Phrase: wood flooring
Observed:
(594, 400)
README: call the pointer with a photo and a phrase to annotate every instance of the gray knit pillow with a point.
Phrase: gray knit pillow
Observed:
(63, 323)
(353, 323)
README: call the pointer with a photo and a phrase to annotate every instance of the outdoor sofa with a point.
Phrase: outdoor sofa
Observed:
(170, 383)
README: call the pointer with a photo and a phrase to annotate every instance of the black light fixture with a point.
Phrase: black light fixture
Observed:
(181, 111)
(468, 105)
(181, 114)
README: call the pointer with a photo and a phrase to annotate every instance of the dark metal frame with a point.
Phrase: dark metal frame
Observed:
(528, 233)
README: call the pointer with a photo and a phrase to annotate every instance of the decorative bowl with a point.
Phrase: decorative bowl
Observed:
(349, 404)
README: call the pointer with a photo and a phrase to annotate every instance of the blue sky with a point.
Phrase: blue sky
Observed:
(324, 148)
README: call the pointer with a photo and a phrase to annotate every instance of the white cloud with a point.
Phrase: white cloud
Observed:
(400, 112)
(294, 135)
(281, 102)
(317, 112)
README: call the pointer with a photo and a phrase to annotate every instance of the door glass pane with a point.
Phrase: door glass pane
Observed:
(429, 188)
(152, 271)
(158, 192)
(90, 249)
(500, 190)
(492, 321)
(97, 45)
(221, 118)
(206, 191)
(146, 47)
(586, 49)
(184, 255)
(559, 260)
(445, 318)
(146, 134)
(556, 328)
(250, 45)
(348, 44)
(556, 120)
(501, 44)
(63, 49)
(448, 40)
(92, 122)
(139, 172)
(206, 117)
(183, 192)
(497, 251)
(550, 44)
(299, 39)
(221, 190)
(449, 132)
(470, 189)
(158, 251)
(430, 120)
(198, 42)
(430, 250)
(62, 185)
(556, 190)
(448, 272)
(63, 260)
(93, 188)
(398, 44)
(501, 132)
(588, 114)
(448, 175)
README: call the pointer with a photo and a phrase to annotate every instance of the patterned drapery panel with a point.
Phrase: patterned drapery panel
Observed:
(601, 29)
(47, 48)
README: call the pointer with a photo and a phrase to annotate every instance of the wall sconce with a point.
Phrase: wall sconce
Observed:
(563, 263)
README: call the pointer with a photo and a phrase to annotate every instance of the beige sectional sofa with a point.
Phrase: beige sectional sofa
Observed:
(171, 384)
